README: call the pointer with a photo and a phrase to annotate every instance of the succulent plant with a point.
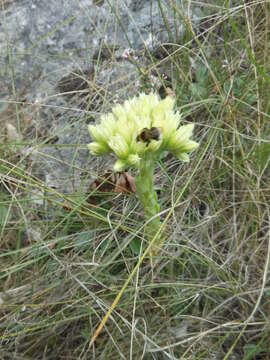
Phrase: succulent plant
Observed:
(138, 133)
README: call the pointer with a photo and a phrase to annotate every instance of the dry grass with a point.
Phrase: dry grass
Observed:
(206, 296)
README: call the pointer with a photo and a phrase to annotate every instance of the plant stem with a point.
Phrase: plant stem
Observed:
(148, 199)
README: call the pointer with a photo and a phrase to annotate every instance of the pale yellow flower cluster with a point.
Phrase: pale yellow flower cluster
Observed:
(118, 131)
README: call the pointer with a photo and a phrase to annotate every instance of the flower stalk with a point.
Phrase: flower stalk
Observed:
(138, 133)
(148, 198)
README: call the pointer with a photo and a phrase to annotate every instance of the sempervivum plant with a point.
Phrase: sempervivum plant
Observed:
(138, 133)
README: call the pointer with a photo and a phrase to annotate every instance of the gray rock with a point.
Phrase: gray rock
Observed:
(65, 56)
(64, 163)
(49, 38)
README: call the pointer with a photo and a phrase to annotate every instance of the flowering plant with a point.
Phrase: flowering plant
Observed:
(138, 132)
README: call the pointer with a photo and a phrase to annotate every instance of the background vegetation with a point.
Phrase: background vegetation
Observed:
(207, 295)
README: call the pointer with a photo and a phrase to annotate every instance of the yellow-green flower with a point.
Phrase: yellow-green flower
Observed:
(119, 131)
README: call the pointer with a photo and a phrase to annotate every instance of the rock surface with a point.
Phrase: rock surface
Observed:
(64, 59)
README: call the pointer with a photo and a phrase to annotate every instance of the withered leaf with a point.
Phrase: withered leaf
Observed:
(110, 182)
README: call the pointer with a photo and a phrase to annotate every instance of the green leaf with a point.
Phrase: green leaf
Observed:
(201, 74)
(135, 246)
(251, 350)
(262, 154)
(199, 91)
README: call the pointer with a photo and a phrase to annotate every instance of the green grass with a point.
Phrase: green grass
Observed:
(207, 295)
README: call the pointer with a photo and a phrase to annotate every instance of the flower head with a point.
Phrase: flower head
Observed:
(142, 126)
(127, 53)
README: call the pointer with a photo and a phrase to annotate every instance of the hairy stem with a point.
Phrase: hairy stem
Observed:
(148, 198)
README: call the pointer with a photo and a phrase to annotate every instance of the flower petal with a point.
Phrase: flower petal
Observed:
(98, 148)
(134, 160)
(165, 105)
(185, 131)
(119, 165)
(189, 145)
(154, 145)
(180, 138)
(182, 156)
(119, 146)
(95, 133)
